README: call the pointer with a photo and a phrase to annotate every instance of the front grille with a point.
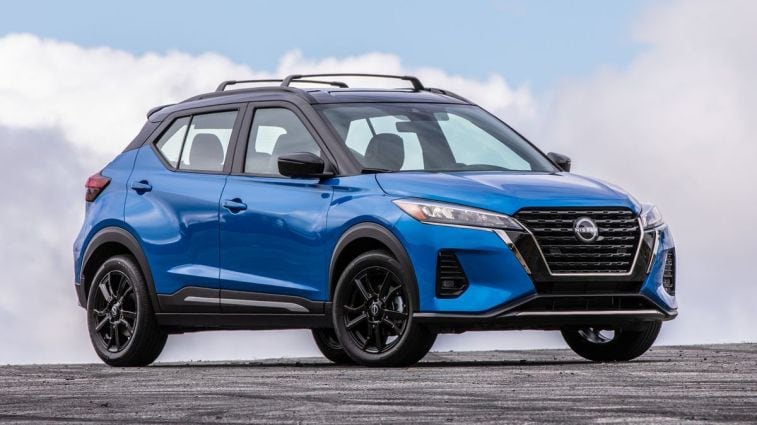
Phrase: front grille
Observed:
(450, 277)
(668, 275)
(589, 303)
(613, 250)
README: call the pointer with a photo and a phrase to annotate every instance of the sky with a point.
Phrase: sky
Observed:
(656, 97)
(533, 42)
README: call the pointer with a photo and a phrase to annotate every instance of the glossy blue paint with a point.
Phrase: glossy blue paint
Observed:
(494, 275)
(506, 192)
(276, 245)
(109, 208)
(176, 223)
(283, 241)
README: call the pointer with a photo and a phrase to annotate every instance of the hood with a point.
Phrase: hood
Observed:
(506, 192)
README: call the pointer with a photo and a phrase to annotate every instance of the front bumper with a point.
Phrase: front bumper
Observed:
(509, 286)
(551, 312)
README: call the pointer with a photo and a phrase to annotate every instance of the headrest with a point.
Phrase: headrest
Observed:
(206, 153)
(386, 151)
(290, 143)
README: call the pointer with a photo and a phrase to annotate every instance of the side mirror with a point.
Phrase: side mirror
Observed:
(302, 164)
(561, 160)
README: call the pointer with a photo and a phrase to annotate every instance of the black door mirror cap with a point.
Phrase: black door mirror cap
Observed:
(303, 165)
(562, 161)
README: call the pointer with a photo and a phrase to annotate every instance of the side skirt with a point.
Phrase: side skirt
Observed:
(193, 322)
(195, 309)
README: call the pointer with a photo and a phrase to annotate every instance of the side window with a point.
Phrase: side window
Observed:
(170, 142)
(275, 132)
(207, 141)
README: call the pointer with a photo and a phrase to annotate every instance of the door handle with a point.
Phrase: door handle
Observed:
(141, 186)
(234, 205)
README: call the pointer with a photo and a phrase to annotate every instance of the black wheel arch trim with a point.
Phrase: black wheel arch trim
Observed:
(113, 234)
(370, 230)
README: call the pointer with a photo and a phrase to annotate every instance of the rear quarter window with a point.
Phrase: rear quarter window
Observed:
(170, 143)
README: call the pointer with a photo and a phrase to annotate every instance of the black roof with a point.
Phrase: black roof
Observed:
(338, 93)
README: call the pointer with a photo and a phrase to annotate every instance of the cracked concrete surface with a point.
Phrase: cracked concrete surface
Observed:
(688, 384)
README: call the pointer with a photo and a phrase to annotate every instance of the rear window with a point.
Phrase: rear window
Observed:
(198, 143)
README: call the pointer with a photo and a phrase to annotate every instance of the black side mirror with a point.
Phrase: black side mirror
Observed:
(302, 164)
(561, 160)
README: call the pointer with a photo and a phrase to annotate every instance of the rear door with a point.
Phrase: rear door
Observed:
(272, 227)
(172, 205)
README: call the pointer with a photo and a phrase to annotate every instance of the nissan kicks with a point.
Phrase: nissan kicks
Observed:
(378, 218)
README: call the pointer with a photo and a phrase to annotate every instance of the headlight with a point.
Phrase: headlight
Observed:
(650, 217)
(440, 213)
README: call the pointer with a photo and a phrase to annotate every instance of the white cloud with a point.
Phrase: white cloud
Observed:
(674, 127)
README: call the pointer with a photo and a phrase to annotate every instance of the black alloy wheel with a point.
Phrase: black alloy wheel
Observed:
(115, 310)
(373, 313)
(376, 312)
(120, 319)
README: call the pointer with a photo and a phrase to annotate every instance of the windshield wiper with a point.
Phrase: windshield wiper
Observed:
(371, 170)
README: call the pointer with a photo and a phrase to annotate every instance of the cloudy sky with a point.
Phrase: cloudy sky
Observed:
(657, 97)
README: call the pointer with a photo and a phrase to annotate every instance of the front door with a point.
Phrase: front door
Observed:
(272, 227)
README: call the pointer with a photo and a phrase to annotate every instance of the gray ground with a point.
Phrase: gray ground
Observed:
(667, 385)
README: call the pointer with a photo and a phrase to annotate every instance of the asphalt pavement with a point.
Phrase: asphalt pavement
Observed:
(690, 384)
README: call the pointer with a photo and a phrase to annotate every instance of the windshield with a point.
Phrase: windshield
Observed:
(431, 137)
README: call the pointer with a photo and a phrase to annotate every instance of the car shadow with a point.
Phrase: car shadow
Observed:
(432, 364)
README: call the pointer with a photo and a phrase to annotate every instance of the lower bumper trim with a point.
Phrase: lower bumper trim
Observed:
(636, 313)
(523, 315)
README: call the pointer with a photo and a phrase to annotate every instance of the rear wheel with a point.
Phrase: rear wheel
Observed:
(122, 326)
(330, 346)
(604, 345)
(373, 313)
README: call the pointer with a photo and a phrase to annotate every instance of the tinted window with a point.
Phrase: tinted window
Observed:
(431, 137)
(207, 141)
(361, 132)
(488, 150)
(275, 132)
(170, 142)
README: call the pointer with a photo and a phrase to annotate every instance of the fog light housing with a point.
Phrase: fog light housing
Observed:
(450, 276)
(669, 273)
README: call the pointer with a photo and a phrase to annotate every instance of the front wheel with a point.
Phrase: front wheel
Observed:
(606, 345)
(373, 313)
(120, 319)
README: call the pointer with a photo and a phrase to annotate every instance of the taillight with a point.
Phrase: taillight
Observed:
(96, 183)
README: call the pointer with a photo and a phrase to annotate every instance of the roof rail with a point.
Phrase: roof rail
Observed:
(448, 93)
(223, 85)
(417, 85)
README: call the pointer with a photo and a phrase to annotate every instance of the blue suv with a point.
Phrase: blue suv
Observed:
(378, 218)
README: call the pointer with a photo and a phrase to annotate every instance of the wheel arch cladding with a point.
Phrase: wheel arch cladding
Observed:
(365, 237)
(109, 242)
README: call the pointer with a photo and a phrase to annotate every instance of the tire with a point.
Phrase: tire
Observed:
(121, 322)
(373, 313)
(330, 346)
(625, 344)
